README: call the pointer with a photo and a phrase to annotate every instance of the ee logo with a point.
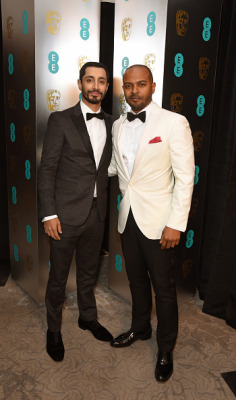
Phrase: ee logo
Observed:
(200, 105)
(14, 195)
(196, 177)
(10, 64)
(118, 264)
(125, 64)
(151, 27)
(28, 233)
(27, 169)
(25, 17)
(178, 69)
(189, 237)
(206, 33)
(16, 252)
(53, 58)
(26, 99)
(12, 132)
(84, 32)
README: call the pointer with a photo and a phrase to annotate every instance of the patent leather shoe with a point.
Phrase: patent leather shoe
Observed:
(164, 366)
(98, 331)
(55, 347)
(128, 338)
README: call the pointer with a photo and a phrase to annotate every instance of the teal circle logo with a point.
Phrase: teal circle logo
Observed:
(200, 110)
(189, 239)
(125, 64)
(12, 132)
(10, 64)
(28, 234)
(26, 99)
(151, 26)
(196, 176)
(14, 195)
(85, 25)
(16, 253)
(206, 33)
(27, 169)
(25, 17)
(118, 264)
(53, 59)
(178, 68)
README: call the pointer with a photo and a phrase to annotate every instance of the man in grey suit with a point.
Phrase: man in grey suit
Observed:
(73, 182)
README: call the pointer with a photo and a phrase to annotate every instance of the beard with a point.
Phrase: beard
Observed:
(91, 99)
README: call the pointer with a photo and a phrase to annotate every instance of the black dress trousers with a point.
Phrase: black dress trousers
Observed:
(145, 261)
(85, 240)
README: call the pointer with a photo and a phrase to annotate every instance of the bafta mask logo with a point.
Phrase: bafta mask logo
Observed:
(126, 28)
(187, 268)
(11, 96)
(10, 27)
(176, 102)
(81, 61)
(27, 134)
(13, 163)
(53, 22)
(204, 66)
(53, 99)
(29, 263)
(194, 207)
(123, 104)
(25, 62)
(149, 61)
(198, 138)
(182, 19)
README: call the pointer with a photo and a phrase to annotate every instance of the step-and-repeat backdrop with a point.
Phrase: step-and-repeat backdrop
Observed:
(45, 43)
(178, 40)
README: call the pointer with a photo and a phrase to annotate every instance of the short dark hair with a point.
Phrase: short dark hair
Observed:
(93, 64)
(141, 65)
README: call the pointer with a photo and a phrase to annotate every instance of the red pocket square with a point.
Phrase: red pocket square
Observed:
(156, 139)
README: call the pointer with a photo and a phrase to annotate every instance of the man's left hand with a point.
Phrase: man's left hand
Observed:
(169, 238)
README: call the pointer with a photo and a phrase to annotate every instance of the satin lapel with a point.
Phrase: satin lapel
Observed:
(78, 121)
(150, 127)
(119, 148)
(108, 123)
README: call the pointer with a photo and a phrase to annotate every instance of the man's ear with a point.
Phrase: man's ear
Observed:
(79, 84)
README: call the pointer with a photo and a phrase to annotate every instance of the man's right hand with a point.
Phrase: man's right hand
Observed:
(52, 228)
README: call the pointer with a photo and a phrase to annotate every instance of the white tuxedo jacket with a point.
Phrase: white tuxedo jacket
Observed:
(160, 188)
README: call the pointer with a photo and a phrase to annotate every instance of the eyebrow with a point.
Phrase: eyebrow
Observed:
(91, 76)
(143, 80)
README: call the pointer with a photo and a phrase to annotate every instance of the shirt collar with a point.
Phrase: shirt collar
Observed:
(85, 109)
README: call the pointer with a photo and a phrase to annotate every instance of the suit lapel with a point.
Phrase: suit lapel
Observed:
(78, 121)
(108, 123)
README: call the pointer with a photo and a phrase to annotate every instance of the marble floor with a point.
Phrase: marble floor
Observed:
(93, 370)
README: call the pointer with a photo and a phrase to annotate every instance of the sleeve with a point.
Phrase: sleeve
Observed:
(183, 166)
(112, 170)
(51, 153)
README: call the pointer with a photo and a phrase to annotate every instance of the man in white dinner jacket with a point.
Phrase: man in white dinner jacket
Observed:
(154, 159)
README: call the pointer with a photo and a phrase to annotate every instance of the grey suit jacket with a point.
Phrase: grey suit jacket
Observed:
(68, 172)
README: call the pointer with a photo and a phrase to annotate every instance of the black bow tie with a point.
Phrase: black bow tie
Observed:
(96, 115)
(141, 116)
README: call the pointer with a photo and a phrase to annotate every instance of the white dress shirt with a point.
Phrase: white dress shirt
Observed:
(97, 133)
(130, 138)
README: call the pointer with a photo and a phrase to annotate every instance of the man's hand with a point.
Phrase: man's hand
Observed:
(169, 238)
(52, 228)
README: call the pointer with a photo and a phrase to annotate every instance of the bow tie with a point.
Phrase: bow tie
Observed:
(96, 115)
(141, 116)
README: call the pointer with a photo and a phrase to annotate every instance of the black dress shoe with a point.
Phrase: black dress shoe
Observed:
(98, 331)
(127, 338)
(164, 366)
(55, 347)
